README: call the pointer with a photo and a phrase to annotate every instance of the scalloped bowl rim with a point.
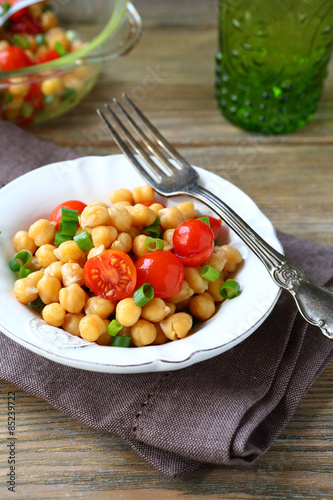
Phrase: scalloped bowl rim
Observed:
(86, 179)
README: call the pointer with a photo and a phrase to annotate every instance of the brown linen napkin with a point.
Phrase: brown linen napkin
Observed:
(227, 410)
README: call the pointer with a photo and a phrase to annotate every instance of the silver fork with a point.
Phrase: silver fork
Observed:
(314, 301)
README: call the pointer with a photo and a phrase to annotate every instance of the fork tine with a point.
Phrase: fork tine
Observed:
(159, 137)
(152, 148)
(125, 149)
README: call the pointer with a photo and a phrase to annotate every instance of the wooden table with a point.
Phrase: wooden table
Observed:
(171, 74)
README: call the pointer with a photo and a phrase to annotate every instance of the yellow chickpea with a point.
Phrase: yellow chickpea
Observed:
(54, 314)
(202, 306)
(170, 217)
(35, 277)
(156, 207)
(68, 251)
(185, 293)
(181, 306)
(141, 215)
(155, 310)
(171, 306)
(214, 288)
(72, 298)
(123, 243)
(92, 327)
(100, 306)
(42, 231)
(95, 251)
(177, 326)
(48, 288)
(104, 339)
(232, 255)
(104, 235)
(18, 88)
(4, 44)
(98, 204)
(72, 272)
(122, 204)
(45, 255)
(71, 323)
(160, 338)
(120, 218)
(94, 215)
(52, 86)
(54, 269)
(72, 82)
(127, 312)
(139, 248)
(143, 193)
(143, 333)
(48, 20)
(33, 264)
(22, 241)
(133, 232)
(25, 290)
(121, 194)
(168, 239)
(195, 281)
(187, 209)
(217, 261)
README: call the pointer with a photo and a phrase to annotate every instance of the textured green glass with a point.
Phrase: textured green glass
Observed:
(272, 61)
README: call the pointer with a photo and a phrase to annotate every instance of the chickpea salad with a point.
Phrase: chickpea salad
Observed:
(130, 273)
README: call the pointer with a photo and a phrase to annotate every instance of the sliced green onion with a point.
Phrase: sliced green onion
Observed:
(40, 39)
(23, 272)
(84, 241)
(4, 8)
(69, 221)
(154, 230)
(27, 110)
(143, 294)
(230, 289)
(47, 8)
(204, 219)
(154, 244)
(69, 215)
(69, 94)
(8, 98)
(120, 341)
(20, 41)
(209, 273)
(71, 35)
(114, 327)
(18, 262)
(58, 47)
(37, 304)
(49, 99)
(60, 238)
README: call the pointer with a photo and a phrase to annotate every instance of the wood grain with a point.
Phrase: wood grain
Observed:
(171, 74)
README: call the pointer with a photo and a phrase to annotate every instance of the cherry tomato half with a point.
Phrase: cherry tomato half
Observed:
(35, 96)
(49, 55)
(215, 224)
(193, 242)
(13, 58)
(71, 204)
(111, 274)
(163, 270)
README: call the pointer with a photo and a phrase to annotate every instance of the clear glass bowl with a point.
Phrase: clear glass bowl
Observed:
(108, 28)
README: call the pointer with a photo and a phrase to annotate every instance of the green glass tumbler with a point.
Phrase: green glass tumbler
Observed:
(272, 61)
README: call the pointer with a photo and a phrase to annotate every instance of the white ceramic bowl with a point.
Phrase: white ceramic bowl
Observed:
(36, 193)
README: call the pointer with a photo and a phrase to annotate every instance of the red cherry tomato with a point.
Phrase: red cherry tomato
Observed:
(26, 25)
(49, 55)
(163, 270)
(150, 203)
(13, 58)
(193, 242)
(17, 14)
(71, 204)
(35, 97)
(215, 224)
(111, 274)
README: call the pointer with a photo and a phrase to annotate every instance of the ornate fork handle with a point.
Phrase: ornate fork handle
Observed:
(314, 301)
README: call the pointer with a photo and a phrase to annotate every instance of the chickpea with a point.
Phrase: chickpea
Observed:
(160, 336)
(94, 216)
(71, 323)
(217, 261)
(214, 288)
(22, 241)
(72, 298)
(95, 251)
(185, 292)
(143, 333)
(42, 231)
(133, 232)
(98, 204)
(25, 290)
(100, 306)
(122, 204)
(139, 248)
(35, 277)
(18, 88)
(121, 194)
(143, 193)
(177, 326)
(72, 272)
(123, 243)
(202, 306)
(171, 306)
(170, 217)
(45, 255)
(104, 339)
(155, 310)
(183, 305)
(141, 215)
(52, 86)
(54, 269)
(232, 255)
(104, 235)
(35, 10)
(4, 44)
(48, 20)
(195, 281)
(49, 287)
(168, 238)
(14, 105)
(91, 327)
(120, 218)
(72, 82)
(156, 207)
(54, 314)
(187, 209)
(33, 264)
(127, 312)
(68, 251)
